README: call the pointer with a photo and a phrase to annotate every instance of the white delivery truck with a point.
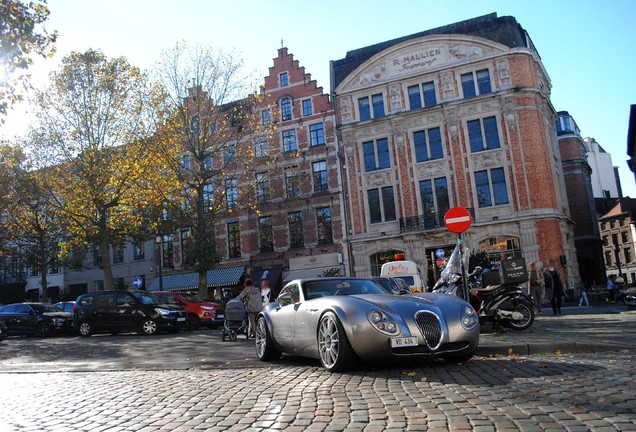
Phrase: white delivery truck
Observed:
(405, 270)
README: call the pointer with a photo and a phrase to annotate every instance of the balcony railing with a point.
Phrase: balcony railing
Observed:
(426, 222)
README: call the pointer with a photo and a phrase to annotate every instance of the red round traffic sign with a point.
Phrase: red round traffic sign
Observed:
(441, 262)
(457, 220)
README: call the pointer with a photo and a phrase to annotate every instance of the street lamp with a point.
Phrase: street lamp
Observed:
(159, 241)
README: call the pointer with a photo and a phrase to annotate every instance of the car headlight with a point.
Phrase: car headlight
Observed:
(162, 311)
(208, 307)
(469, 317)
(383, 323)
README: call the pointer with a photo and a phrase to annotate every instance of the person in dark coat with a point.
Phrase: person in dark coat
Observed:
(251, 295)
(553, 280)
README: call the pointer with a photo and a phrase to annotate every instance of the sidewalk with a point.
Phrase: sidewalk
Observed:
(605, 327)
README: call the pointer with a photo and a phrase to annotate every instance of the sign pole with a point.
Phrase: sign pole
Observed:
(458, 220)
(460, 244)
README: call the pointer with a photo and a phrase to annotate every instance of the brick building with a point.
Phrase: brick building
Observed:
(454, 116)
(294, 227)
(577, 174)
(618, 234)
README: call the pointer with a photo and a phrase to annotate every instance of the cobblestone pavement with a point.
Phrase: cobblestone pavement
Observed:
(573, 392)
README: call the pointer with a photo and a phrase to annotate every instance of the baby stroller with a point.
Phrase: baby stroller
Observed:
(235, 319)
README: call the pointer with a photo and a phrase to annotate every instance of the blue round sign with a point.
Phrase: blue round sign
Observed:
(138, 282)
(439, 253)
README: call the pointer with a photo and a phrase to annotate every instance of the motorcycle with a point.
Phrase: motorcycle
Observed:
(503, 304)
(627, 296)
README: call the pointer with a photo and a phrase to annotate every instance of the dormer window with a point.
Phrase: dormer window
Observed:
(283, 79)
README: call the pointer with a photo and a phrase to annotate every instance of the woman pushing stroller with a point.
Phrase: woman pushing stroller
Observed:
(251, 295)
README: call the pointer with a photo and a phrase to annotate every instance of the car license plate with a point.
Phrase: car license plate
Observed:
(398, 342)
(220, 316)
(181, 319)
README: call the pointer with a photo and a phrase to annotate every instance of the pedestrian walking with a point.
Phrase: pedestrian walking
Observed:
(536, 282)
(583, 296)
(253, 303)
(553, 279)
(266, 292)
(610, 288)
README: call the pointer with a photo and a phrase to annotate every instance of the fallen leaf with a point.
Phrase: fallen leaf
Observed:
(543, 365)
(423, 379)
(411, 374)
(509, 351)
(557, 351)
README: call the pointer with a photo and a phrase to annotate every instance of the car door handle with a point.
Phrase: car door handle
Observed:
(312, 310)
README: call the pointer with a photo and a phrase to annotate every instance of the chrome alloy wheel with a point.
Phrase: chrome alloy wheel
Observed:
(328, 341)
(261, 338)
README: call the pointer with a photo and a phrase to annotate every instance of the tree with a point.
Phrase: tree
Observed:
(93, 132)
(28, 217)
(22, 35)
(210, 113)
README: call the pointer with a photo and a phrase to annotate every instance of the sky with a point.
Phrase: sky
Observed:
(586, 46)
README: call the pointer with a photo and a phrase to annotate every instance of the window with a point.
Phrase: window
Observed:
(233, 240)
(289, 140)
(428, 92)
(628, 255)
(606, 241)
(229, 155)
(185, 164)
(118, 254)
(260, 146)
(435, 201)
(376, 154)
(167, 251)
(186, 242)
(323, 222)
(377, 104)
(613, 224)
(483, 134)
(266, 117)
(295, 220)
(283, 79)
(97, 256)
(139, 251)
(208, 198)
(481, 77)
(428, 145)
(262, 187)
(231, 193)
(381, 204)
(321, 183)
(622, 222)
(608, 258)
(491, 184)
(603, 226)
(625, 236)
(316, 134)
(292, 182)
(307, 108)
(266, 233)
(195, 126)
(207, 162)
(286, 109)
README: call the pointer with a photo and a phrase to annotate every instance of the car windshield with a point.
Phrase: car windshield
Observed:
(191, 298)
(41, 308)
(147, 298)
(331, 287)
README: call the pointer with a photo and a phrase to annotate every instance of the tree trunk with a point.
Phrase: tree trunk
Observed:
(108, 270)
(203, 285)
(44, 281)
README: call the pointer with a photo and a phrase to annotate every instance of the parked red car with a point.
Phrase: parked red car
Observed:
(200, 312)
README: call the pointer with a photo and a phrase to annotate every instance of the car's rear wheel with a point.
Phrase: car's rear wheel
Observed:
(194, 323)
(265, 349)
(85, 329)
(148, 326)
(335, 351)
(525, 313)
(42, 329)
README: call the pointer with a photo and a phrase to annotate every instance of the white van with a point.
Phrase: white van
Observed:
(405, 270)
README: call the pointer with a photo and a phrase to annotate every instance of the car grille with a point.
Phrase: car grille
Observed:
(431, 328)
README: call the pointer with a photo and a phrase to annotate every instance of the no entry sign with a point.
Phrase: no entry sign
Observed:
(457, 220)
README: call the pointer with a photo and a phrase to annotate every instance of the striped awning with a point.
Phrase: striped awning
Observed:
(220, 277)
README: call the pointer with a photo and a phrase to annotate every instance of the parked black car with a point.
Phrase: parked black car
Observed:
(4, 332)
(66, 306)
(39, 319)
(119, 311)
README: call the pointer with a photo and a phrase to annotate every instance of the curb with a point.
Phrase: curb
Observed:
(547, 348)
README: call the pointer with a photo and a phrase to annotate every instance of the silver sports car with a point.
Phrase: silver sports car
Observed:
(338, 320)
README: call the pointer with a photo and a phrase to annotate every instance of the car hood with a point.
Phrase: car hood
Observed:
(58, 315)
(402, 303)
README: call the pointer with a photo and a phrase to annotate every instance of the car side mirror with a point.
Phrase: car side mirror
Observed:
(285, 299)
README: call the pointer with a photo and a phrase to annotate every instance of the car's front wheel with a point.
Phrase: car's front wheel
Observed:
(265, 349)
(148, 326)
(42, 330)
(85, 329)
(335, 351)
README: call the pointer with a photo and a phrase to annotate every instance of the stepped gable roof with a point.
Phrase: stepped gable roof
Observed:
(504, 30)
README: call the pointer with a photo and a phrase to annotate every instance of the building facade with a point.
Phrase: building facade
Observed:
(618, 234)
(454, 116)
(578, 175)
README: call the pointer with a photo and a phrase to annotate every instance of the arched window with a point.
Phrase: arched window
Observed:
(286, 109)
(379, 258)
(500, 248)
